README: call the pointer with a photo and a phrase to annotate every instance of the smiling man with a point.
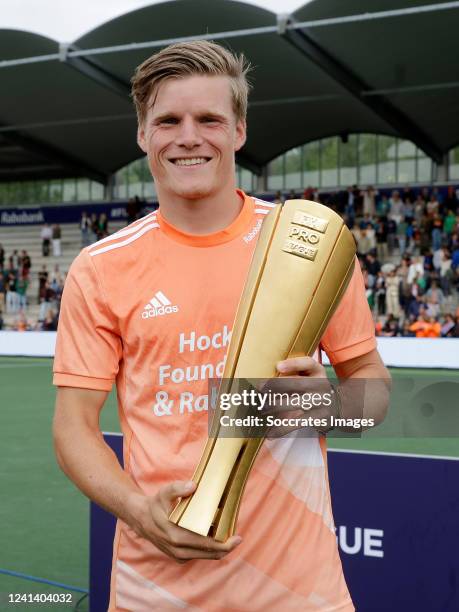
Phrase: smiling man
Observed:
(151, 308)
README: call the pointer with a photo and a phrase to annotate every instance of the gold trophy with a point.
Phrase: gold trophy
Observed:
(300, 269)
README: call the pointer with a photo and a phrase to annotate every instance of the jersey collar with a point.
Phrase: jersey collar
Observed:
(235, 229)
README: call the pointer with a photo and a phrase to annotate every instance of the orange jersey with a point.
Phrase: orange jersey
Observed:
(152, 308)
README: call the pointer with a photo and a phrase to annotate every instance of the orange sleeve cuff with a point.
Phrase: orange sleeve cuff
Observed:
(82, 382)
(349, 352)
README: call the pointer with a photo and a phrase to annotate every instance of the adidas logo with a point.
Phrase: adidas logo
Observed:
(157, 306)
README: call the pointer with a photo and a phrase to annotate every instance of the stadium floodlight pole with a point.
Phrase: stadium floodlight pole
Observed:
(314, 23)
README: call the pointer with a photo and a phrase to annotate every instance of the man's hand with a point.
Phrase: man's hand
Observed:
(150, 521)
(301, 366)
(300, 377)
(85, 457)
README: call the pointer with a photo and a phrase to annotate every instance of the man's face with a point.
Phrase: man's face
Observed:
(190, 135)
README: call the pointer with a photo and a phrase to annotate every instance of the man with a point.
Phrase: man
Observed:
(46, 235)
(151, 307)
(57, 234)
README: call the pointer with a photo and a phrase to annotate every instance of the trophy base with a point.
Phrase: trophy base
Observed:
(221, 477)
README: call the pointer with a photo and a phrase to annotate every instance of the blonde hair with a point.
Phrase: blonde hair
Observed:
(181, 60)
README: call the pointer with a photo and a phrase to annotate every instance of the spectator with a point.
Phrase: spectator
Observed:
(277, 200)
(102, 226)
(363, 243)
(401, 234)
(404, 287)
(12, 298)
(2, 257)
(448, 327)
(396, 207)
(416, 307)
(380, 294)
(451, 202)
(21, 289)
(94, 228)
(408, 194)
(369, 201)
(381, 239)
(309, 193)
(391, 327)
(350, 207)
(425, 194)
(26, 263)
(372, 265)
(85, 226)
(449, 223)
(1, 319)
(2, 289)
(42, 279)
(133, 209)
(392, 294)
(46, 302)
(383, 206)
(391, 229)
(420, 326)
(446, 272)
(50, 321)
(406, 332)
(432, 206)
(455, 258)
(57, 234)
(46, 236)
(419, 209)
(408, 210)
(21, 323)
(435, 299)
(15, 260)
(371, 234)
(437, 259)
(437, 232)
(357, 201)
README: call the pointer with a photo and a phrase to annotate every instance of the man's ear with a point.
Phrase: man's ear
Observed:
(241, 134)
(141, 137)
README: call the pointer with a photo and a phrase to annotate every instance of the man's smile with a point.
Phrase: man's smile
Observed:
(189, 161)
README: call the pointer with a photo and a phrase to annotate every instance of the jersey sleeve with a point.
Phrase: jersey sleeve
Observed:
(351, 330)
(88, 346)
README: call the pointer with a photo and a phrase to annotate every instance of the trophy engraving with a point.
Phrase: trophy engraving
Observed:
(283, 312)
(304, 235)
(297, 248)
(315, 223)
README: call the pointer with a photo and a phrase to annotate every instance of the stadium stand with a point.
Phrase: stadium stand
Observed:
(19, 238)
(407, 242)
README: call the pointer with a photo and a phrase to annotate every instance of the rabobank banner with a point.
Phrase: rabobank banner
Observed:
(397, 529)
(65, 213)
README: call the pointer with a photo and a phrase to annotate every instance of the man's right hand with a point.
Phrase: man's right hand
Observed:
(150, 520)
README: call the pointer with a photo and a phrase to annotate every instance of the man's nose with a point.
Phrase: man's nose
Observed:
(189, 135)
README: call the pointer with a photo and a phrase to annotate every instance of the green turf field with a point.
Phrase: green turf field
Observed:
(45, 519)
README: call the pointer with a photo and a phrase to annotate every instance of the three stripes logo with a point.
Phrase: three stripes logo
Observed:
(158, 305)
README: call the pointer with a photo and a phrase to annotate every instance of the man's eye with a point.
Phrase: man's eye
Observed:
(169, 121)
(209, 120)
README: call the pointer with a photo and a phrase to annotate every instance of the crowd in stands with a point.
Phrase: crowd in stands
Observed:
(14, 297)
(408, 248)
(407, 244)
(51, 235)
(93, 227)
